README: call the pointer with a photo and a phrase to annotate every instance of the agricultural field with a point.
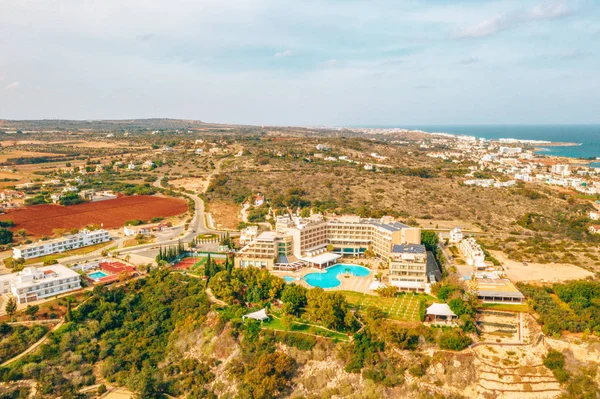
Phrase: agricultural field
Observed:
(41, 220)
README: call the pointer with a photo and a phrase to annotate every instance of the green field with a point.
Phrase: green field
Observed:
(274, 323)
(404, 307)
(506, 306)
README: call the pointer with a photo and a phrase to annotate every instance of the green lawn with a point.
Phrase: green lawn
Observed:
(274, 323)
(404, 307)
(506, 306)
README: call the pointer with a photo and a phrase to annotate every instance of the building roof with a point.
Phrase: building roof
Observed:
(260, 315)
(408, 248)
(62, 239)
(489, 286)
(440, 309)
(321, 258)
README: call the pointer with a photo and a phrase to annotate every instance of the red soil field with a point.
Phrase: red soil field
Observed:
(40, 220)
(186, 263)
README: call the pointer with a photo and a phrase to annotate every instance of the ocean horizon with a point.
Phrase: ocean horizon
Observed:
(586, 136)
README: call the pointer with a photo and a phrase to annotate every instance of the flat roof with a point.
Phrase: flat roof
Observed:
(408, 248)
(497, 287)
(321, 258)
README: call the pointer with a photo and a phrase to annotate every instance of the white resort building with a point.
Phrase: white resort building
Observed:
(408, 267)
(300, 241)
(62, 244)
(32, 284)
(474, 255)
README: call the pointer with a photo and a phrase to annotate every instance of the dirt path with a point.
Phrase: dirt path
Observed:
(213, 299)
(34, 346)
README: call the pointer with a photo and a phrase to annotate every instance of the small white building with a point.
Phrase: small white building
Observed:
(131, 166)
(456, 235)
(248, 235)
(368, 167)
(440, 312)
(562, 170)
(259, 199)
(62, 244)
(148, 164)
(33, 284)
(594, 215)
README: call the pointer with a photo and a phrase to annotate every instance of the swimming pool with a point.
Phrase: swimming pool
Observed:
(329, 278)
(289, 279)
(97, 275)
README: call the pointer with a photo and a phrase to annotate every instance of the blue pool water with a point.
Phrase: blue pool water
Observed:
(288, 279)
(329, 278)
(97, 275)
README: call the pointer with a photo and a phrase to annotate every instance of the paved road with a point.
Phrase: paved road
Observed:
(197, 225)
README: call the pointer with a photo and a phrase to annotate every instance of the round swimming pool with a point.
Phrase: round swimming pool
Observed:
(329, 278)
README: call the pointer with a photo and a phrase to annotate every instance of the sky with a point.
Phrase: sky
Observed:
(302, 62)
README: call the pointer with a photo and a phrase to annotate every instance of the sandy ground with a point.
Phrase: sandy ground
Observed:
(552, 272)
(190, 183)
(224, 214)
(119, 393)
(447, 224)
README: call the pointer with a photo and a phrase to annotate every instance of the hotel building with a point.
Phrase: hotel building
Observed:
(408, 267)
(33, 284)
(297, 241)
(43, 248)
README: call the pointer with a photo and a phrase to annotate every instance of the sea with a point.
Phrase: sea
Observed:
(586, 136)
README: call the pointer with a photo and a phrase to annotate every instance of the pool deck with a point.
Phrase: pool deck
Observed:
(353, 283)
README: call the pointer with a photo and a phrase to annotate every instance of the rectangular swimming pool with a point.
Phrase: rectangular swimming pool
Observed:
(97, 275)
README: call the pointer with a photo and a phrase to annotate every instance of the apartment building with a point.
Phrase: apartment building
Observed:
(408, 267)
(79, 240)
(296, 239)
(33, 284)
(473, 253)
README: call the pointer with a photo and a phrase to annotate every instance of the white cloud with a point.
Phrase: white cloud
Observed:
(283, 54)
(551, 9)
(489, 26)
(13, 85)
(469, 61)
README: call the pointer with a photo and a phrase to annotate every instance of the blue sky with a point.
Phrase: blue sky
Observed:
(303, 62)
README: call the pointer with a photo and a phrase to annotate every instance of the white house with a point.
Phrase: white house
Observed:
(131, 166)
(456, 235)
(259, 199)
(368, 167)
(594, 215)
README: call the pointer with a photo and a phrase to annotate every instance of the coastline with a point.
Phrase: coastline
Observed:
(558, 144)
